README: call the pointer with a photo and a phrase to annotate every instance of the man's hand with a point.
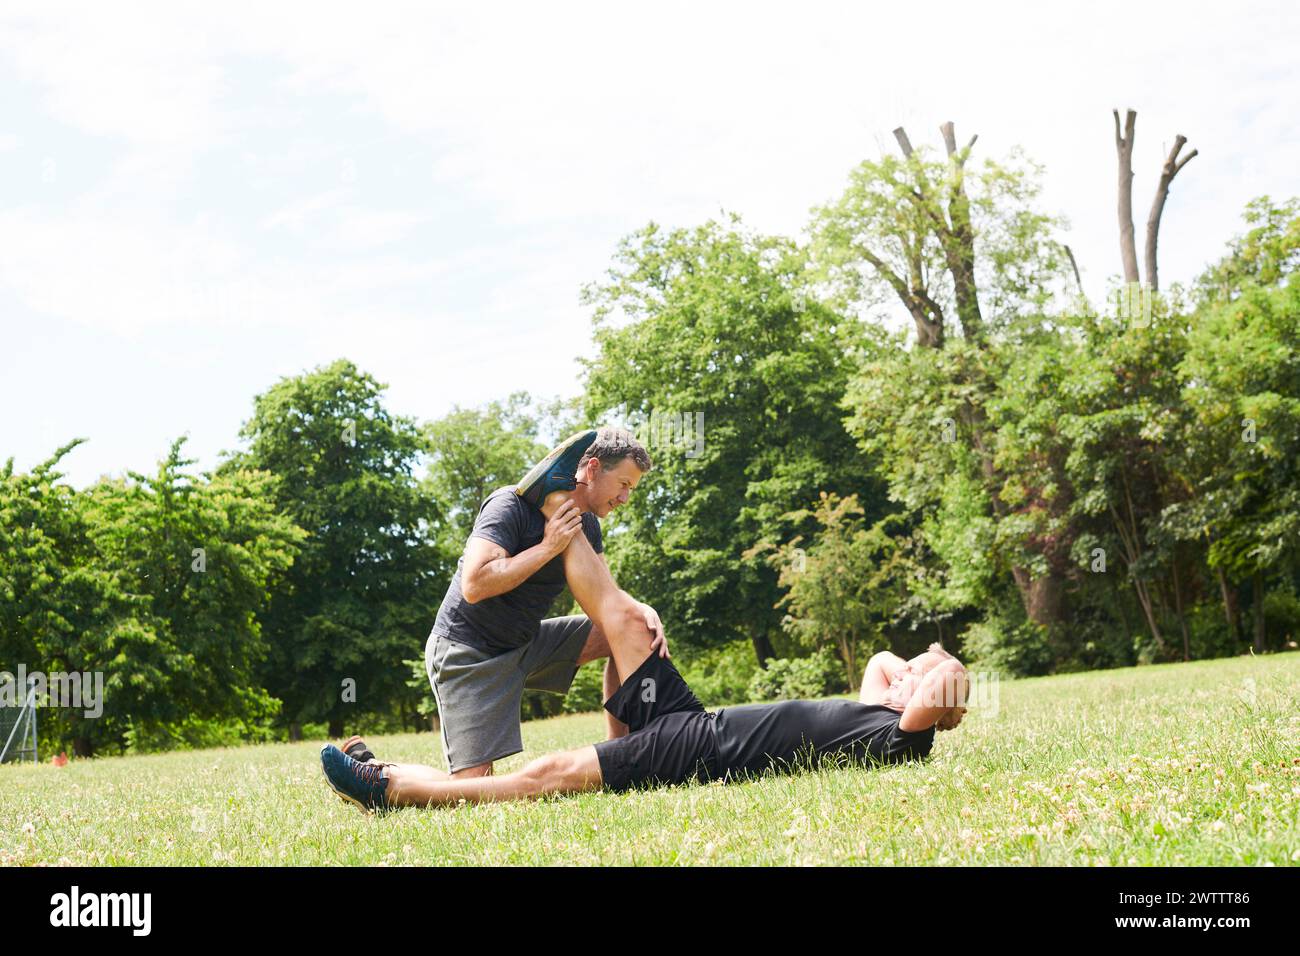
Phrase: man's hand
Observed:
(951, 719)
(660, 643)
(561, 527)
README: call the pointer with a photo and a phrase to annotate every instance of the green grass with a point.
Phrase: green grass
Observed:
(1187, 764)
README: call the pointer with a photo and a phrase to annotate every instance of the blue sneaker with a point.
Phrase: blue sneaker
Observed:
(361, 783)
(556, 471)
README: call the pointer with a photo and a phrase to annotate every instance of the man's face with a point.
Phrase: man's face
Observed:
(606, 490)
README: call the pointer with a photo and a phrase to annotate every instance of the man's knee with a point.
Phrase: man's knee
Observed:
(482, 770)
(548, 771)
(630, 622)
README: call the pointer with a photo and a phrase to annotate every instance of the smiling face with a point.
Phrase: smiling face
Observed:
(607, 490)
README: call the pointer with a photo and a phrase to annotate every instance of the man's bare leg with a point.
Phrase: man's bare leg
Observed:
(619, 617)
(610, 608)
(570, 771)
(614, 728)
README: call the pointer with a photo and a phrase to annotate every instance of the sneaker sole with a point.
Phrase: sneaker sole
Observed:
(539, 470)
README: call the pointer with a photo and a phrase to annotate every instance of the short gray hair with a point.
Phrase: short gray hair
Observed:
(611, 446)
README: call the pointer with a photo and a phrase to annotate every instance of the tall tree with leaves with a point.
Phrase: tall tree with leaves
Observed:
(950, 240)
(722, 334)
(472, 452)
(365, 588)
(153, 581)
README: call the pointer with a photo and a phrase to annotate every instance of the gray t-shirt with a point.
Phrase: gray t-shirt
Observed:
(510, 620)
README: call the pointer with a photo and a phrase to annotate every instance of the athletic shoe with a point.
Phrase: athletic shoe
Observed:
(361, 783)
(356, 748)
(556, 471)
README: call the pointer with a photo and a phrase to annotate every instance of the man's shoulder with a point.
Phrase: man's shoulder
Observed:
(504, 498)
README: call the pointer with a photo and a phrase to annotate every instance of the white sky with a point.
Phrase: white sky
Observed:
(196, 200)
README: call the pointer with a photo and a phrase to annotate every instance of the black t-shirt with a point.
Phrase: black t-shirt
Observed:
(510, 620)
(752, 736)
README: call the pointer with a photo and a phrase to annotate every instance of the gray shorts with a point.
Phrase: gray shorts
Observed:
(479, 694)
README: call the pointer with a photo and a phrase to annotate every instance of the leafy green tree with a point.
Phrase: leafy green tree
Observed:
(1241, 379)
(947, 241)
(944, 240)
(714, 327)
(841, 590)
(472, 452)
(366, 586)
(60, 605)
(200, 555)
(154, 582)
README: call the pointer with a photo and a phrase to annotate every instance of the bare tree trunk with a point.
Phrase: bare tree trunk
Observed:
(958, 238)
(1078, 281)
(1259, 612)
(1229, 606)
(1124, 147)
(295, 731)
(763, 649)
(1182, 618)
(1167, 174)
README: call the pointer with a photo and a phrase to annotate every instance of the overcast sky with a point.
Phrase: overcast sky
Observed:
(199, 200)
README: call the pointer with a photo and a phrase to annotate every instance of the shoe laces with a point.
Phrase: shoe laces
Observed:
(368, 773)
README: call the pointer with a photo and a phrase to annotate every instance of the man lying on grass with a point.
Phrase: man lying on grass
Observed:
(672, 738)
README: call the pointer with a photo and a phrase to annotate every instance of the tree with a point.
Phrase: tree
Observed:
(1171, 167)
(983, 253)
(1241, 379)
(716, 324)
(472, 452)
(366, 586)
(942, 238)
(59, 604)
(200, 556)
(108, 580)
(840, 591)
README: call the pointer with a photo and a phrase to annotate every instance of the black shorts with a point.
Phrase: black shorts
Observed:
(670, 737)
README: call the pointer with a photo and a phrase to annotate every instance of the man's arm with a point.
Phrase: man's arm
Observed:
(942, 691)
(489, 569)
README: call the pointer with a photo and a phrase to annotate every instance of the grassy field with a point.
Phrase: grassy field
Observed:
(1188, 764)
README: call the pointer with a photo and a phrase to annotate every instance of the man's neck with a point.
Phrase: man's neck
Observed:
(556, 498)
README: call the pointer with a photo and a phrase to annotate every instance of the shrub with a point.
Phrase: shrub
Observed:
(720, 676)
(796, 678)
